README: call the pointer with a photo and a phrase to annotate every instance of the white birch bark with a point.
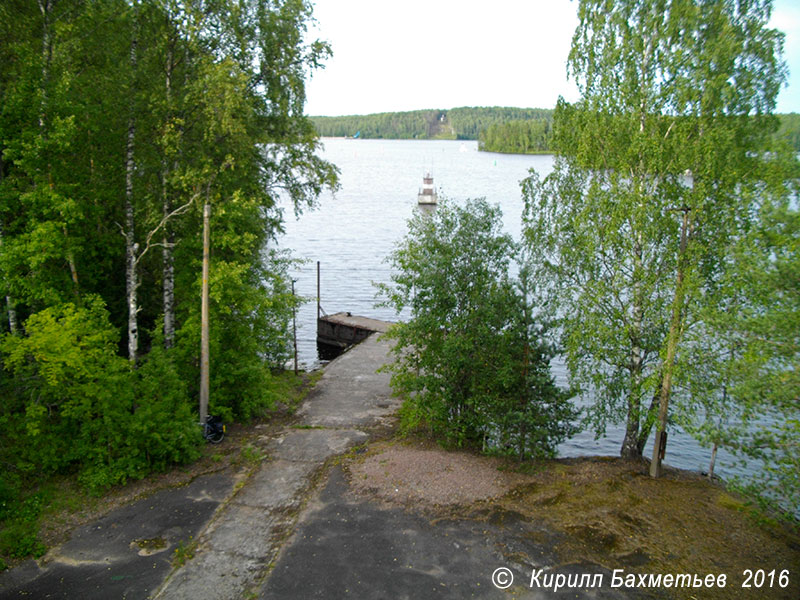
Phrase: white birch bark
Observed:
(168, 268)
(10, 306)
(131, 247)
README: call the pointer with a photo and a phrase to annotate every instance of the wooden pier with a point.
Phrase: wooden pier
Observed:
(337, 332)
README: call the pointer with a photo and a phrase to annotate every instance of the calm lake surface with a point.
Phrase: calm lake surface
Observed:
(352, 232)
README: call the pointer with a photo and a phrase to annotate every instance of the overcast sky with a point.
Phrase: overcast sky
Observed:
(398, 55)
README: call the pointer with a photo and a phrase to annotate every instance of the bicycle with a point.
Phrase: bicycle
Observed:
(213, 429)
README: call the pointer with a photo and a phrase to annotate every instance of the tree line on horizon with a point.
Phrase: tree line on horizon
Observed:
(497, 129)
(464, 123)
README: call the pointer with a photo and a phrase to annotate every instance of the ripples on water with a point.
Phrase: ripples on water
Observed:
(353, 232)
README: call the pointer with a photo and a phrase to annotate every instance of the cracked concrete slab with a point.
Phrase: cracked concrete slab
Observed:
(106, 558)
(277, 484)
(345, 546)
(213, 575)
(353, 394)
(240, 544)
(233, 535)
(243, 530)
(315, 445)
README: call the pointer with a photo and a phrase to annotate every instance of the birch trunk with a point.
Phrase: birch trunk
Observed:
(168, 265)
(46, 8)
(713, 462)
(131, 247)
(675, 326)
(168, 286)
(12, 311)
(12, 315)
(645, 428)
(630, 445)
(10, 306)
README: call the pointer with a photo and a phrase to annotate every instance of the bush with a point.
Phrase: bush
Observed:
(82, 407)
(470, 362)
(19, 534)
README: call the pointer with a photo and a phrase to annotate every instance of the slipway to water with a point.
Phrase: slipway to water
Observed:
(352, 232)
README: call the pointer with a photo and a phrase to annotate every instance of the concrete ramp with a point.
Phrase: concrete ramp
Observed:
(238, 547)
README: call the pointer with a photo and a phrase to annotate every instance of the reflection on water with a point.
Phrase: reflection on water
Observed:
(353, 232)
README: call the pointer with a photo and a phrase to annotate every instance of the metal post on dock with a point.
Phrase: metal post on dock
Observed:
(318, 298)
(294, 327)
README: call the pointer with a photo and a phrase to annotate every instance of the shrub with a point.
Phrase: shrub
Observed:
(82, 407)
(470, 362)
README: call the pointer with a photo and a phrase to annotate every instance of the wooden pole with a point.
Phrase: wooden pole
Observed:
(318, 296)
(204, 316)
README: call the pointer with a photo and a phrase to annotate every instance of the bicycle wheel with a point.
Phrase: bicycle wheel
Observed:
(215, 437)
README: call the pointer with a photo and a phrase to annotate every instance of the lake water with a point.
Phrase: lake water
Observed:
(352, 232)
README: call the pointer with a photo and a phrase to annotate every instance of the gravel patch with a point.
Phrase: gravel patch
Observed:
(408, 476)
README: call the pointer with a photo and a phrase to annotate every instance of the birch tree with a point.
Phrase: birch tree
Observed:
(651, 180)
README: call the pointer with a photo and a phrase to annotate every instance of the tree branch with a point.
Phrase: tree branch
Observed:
(178, 211)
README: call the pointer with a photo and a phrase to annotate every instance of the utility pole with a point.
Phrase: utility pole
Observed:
(204, 315)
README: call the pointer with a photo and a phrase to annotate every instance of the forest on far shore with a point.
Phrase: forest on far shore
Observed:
(497, 128)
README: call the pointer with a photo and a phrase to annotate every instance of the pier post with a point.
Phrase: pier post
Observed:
(294, 327)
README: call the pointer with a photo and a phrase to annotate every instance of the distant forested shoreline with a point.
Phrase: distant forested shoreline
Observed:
(496, 128)
(465, 123)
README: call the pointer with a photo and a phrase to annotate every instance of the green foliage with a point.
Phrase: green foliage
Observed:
(469, 361)
(211, 100)
(418, 124)
(672, 136)
(184, 552)
(498, 129)
(81, 404)
(746, 398)
(217, 101)
(20, 529)
(251, 309)
(790, 130)
(250, 455)
(469, 122)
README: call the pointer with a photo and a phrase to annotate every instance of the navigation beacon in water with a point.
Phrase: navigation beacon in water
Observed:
(427, 195)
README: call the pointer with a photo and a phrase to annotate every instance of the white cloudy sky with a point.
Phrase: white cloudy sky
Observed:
(397, 55)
